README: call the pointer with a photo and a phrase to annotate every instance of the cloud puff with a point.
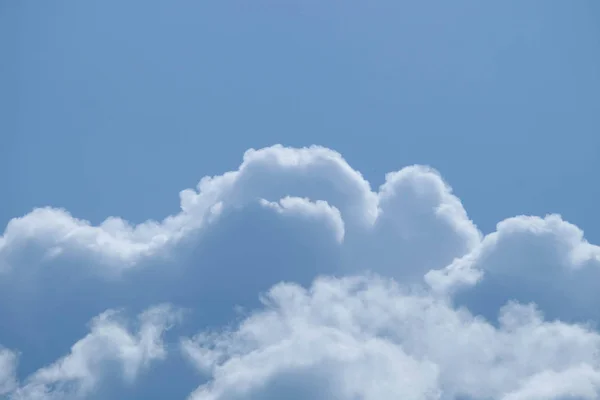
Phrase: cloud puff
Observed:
(304, 207)
(367, 338)
(109, 342)
(530, 259)
(414, 203)
(424, 305)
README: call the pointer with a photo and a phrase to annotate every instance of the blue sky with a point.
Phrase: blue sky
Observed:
(111, 109)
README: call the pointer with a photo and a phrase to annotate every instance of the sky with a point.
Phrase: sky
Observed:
(299, 199)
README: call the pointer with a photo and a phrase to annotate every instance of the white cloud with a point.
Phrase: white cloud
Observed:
(414, 205)
(464, 330)
(8, 366)
(319, 210)
(367, 338)
(109, 342)
(580, 382)
(421, 225)
(530, 259)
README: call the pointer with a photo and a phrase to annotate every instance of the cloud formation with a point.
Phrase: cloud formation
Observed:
(414, 203)
(367, 338)
(109, 344)
(419, 304)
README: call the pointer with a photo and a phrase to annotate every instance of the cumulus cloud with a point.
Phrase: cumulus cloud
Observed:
(530, 259)
(109, 342)
(415, 203)
(367, 338)
(419, 303)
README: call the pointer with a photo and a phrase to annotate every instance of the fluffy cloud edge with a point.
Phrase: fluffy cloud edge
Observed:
(112, 339)
(272, 175)
(8, 370)
(367, 337)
